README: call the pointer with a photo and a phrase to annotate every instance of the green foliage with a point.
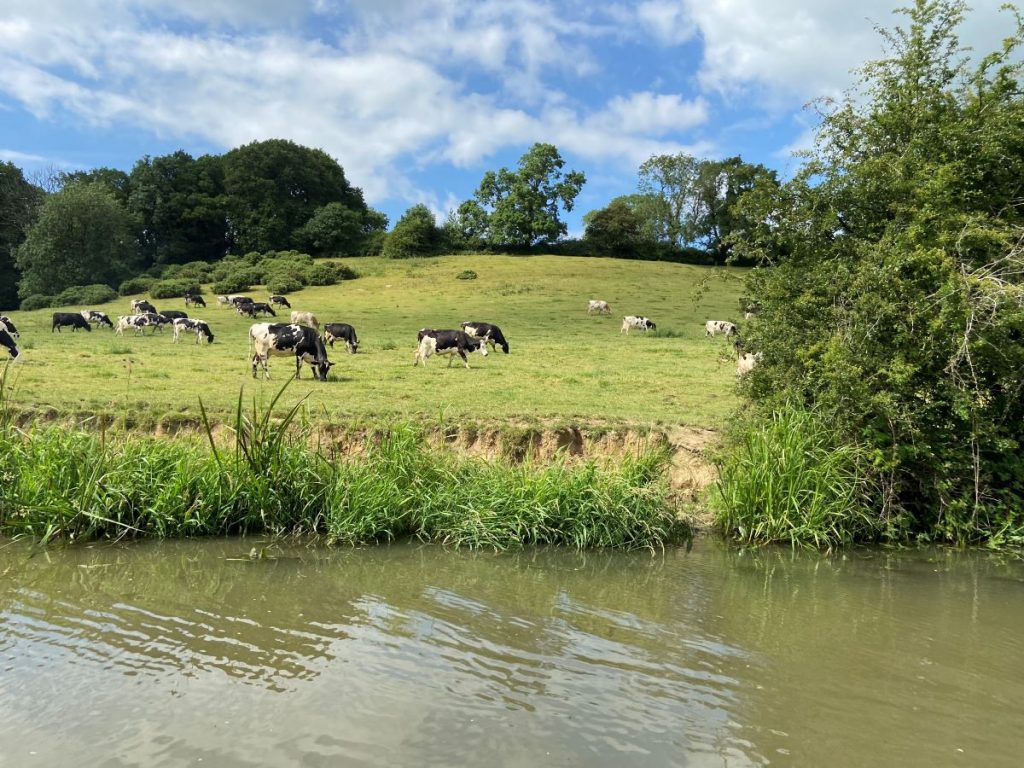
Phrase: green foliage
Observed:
(19, 202)
(38, 301)
(282, 283)
(234, 282)
(892, 305)
(615, 229)
(336, 229)
(466, 274)
(82, 235)
(194, 271)
(786, 478)
(415, 234)
(85, 294)
(322, 274)
(134, 285)
(521, 208)
(170, 289)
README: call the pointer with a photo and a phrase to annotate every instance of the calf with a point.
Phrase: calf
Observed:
(446, 342)
(713, 327)
(97, 317)
(642, 323)
(199, 327)
(174, 314)
(343, 331)
(8, 324)
(280, 301)
(306, 318)
(141, 305)
(490, 334)
(288, 339)
(74, 319)
(7, 342)
(601, 307)
(194, 298)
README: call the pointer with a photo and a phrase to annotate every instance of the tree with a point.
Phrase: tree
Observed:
(336, 229)
(19, 202)
(274, 187)
(672, 179)
(615, 229)
(115, 180)
(415, 234)
(893, 299)
(521, 208)
(82, 236)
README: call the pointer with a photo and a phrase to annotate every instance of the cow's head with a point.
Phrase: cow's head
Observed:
(353, 346)
(321, 369)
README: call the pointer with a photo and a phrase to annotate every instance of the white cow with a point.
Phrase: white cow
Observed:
(713, 327)
(305, 318)
(601, 307)
(746, 362)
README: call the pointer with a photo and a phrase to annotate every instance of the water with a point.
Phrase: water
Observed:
(191, 653)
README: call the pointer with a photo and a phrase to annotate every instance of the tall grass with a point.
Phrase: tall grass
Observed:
(787, 479)
(76, 485)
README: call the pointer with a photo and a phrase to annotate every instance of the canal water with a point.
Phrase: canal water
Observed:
(240, 653)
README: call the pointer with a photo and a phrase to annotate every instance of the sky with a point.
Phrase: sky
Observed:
(417, 99)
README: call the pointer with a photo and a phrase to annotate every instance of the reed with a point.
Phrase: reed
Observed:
(789, 480)
(268, 479)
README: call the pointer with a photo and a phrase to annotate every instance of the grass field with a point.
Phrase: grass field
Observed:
(564, 366)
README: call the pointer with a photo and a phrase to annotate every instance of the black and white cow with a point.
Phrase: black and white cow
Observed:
(266, 309)
(237, 299)
(288, 339)
(200, 327)
(343, 331)
(641, 323)
(713, 327)
(97, 317)
(136, 322)
(491, 334)
(194, 298)
(141, 305)
(8, 343)
(600, 306)
(174, 314)
(446, 342)
(280, 301)
(7, 323)
(74, 319)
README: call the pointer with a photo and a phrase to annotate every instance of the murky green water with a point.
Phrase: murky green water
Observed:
(180, 654)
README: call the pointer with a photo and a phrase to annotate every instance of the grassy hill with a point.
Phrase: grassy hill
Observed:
(564, 366)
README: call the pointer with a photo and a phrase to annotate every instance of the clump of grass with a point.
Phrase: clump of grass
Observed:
(466, 274)
(789, 479)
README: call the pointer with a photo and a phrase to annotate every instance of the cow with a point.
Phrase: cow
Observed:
(141, 305)
(488, 333)
(288, 339)
(343, 331)
(266, 309)
(446, 342)
(642, 323)
(174, 314)
(712, 327)
(601, 307)
(280, 301)
(8, 324)
(305, 318)
(199, 327)
(156, 320)
(236, 300)
(194, 298)
(8, 343)
(74, 319)
(97, 317)
(746, 362)
(222, 301)
(137, 322)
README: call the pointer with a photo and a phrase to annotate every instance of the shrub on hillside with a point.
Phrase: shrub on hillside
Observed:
(135, 285)
(194, 271)
(37, 301)
(171, 289)
(322, 274)
(96, 293)
(236, 281)
(282, 283)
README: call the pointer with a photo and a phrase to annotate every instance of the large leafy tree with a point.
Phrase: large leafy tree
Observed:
(335, 229)
(274, 187)
(180, 203)
(521, 208)
(415, 234)
(892, 301)
(615, 229)
(82, 236)
(19, 202)
(672, 180)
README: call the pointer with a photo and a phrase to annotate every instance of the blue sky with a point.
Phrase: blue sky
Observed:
(418, 98)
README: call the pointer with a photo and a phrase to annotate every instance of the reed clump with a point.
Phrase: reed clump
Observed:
(61, 484)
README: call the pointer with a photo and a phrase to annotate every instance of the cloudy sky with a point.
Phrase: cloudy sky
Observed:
(418, 98)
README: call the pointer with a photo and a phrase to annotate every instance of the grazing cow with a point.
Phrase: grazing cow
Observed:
(74, 319)
(95, 316)
(642, 323)
(712, 327)
(488, 333)
(281, 301)
(174, 314)
(156, 320)
(306, 318)
(7, 342)
(223, 301)
(136, 322)
(141, 305)
(194, 298)
(266, 309)
(288, 339)
(199, 327)
(746, 362)
(343, 331)
(601, 307)
(236, 300)
(7, 323)
(445, 342)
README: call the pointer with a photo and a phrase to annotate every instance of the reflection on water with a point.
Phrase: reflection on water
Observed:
(171, 653)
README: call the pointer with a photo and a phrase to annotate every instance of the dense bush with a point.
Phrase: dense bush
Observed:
(134, 285)
(171, 289)
(322, 274)
(37, 301)
(96, 293)
(236, 281)
(194, 271)
(282, 283)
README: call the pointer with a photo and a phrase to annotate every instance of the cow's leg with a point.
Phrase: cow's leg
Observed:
(462, 354)
(298, 366)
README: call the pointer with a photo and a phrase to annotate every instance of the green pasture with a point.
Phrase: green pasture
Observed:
(565, 366)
